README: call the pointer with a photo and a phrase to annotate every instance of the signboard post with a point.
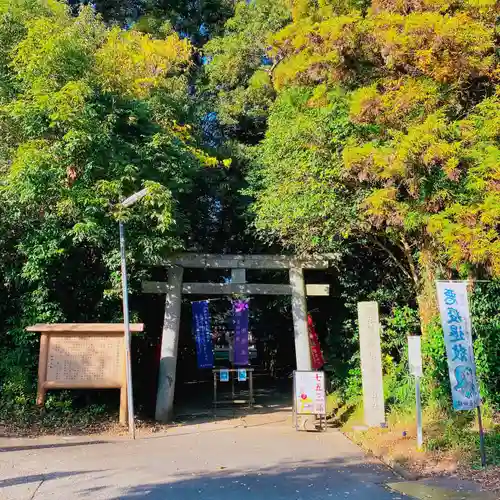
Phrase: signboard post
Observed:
(309, 395)
(223, 374)
(457, 328)
(415, 362)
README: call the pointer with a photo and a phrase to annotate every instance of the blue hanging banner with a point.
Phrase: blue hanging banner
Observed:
(203, 334)
(240, 314)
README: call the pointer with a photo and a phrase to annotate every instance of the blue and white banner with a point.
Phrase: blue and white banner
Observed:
(203, 334)
(457, 328)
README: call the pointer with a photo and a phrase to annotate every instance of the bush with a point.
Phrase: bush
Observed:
(485, 309)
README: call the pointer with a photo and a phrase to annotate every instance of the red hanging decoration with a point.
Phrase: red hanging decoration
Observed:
(317, 360)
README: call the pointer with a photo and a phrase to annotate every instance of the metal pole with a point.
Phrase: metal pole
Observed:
(294, 405)
(250, 387)
(420, 437)
(481, 436)
(126, 325)
(215, 393)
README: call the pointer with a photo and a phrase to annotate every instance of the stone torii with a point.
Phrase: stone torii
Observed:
(238, 264)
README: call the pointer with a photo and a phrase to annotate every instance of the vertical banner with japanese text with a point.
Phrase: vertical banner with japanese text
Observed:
(457, 329)
(203, 334)
(240, 315)
(317, 360)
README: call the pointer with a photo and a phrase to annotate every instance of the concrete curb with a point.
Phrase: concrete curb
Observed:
(388, 462)
(400, 471)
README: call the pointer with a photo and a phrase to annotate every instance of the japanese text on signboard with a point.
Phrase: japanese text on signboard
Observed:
(203, 334)
(240, 314)
(310, 393)
(455, 319)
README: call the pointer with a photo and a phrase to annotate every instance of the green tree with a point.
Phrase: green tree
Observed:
(415, 170)
(200, 20)
(120, 12)
(89, 114)
(238, 75)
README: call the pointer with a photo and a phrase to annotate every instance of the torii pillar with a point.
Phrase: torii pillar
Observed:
(169, 345)
(299, 314)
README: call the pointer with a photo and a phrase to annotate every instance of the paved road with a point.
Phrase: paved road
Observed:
(224, 461)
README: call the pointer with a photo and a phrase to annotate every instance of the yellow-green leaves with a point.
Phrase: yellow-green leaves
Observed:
(408, 6)
(371, 162)
(426, 41)
(395, 103)
(315, 52)
(443, 176)
(90, 114)
(135, 64)
(420, 161)
(57, 50)
(68, 103)
(443, 47)
(468, 228)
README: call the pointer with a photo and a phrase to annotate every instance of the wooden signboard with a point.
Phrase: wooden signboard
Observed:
(83, 356)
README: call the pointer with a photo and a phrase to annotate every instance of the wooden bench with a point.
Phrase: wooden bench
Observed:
(83, 356)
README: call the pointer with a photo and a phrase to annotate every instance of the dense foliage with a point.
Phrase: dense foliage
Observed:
(368, 130)
(381, 132)
(89, 115)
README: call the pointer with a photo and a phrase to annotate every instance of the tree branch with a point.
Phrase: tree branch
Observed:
(411, 263)
(393, 257)
(270, 71)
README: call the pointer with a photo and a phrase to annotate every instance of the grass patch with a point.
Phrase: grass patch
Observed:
(340, 413)
(60, 415)
(459, 433)
(454, 436)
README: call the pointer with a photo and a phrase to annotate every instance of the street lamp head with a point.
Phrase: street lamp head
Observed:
(128, 202)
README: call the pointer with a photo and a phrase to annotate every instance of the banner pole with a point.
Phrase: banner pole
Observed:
(420, 436)
(481, 436)
(294, 405)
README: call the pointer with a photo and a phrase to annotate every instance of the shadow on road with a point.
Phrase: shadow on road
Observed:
(337, 478)
(35, 478)
(48, 445)
(195, 400)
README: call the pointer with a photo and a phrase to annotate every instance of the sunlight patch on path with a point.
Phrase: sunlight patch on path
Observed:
(425, 492)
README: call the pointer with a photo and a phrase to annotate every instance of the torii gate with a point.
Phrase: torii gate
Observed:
(238, 264)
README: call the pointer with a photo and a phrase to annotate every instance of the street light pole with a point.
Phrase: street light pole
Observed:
(128, 340)
(126, 321)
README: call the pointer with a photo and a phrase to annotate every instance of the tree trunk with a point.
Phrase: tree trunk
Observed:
(427, 297)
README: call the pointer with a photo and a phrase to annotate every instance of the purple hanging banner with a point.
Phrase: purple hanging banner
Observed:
(203, 335)
(240, 315)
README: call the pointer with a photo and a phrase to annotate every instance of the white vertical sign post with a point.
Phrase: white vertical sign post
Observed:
(457, 328)
(415, 363)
